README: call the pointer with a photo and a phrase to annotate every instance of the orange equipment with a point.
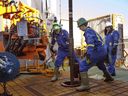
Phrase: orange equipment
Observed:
(35, 50)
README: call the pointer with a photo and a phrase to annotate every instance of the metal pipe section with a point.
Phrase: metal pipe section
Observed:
(71, 42)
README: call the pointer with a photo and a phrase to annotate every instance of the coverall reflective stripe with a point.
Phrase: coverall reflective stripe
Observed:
(62, 40)
(96, 52)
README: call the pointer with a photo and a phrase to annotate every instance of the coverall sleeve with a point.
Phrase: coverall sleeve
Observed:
(53, 41)
(90, 40)
(116, 38)
(65, 42)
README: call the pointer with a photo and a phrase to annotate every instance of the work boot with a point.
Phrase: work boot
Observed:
(56, 73)
(108, 77)
(84, 82)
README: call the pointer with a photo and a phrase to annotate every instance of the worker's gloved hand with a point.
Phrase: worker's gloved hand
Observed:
(106, 60)
(51, 48)
(87, 56)
(41, 56)
(114, 50)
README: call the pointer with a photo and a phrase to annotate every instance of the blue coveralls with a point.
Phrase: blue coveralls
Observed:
(111, 41)
(95, 51)
(62, 40)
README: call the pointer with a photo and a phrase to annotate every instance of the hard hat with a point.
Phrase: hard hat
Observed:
(108, 24)
(56, 26)
(81, 21)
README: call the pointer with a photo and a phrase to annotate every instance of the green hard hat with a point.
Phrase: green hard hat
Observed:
(56, 26)
(81, 21)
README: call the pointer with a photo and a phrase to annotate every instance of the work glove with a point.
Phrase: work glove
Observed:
(87, 56)
(114, 50)
(41, 56)
(106, 60)
(51, 48)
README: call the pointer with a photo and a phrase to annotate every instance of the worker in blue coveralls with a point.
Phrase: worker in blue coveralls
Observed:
(111, 41)
(95, 55)
(60, 36)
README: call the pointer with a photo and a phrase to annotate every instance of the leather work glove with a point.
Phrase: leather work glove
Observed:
(114, 50)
